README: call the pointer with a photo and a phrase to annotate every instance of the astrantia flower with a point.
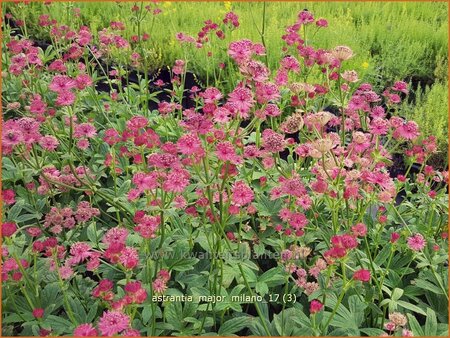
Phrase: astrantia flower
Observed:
(272, 141)
(113, 322)
(8, 196)
(38, 313)
(362, 275)
(115, 235)
(65, 98)
(159, 285)
(242, 194)
(189, 144)
(62, 83)
(84, 130)
(49, 142)
(416, 242)
(85, 330)
(129, 258)
(225, 152)
(398, 318)
(242, 99)
(8, 229)
(79, 251)
(315, 306)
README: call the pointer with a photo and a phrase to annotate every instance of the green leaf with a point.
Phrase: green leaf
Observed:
(261, 288)
(411, 307)
(414, 325)
(431, 323)
(234, 325)
(184, 264)
(383, 255)
(59, 325)
(397, 294)
(426, 285)
(372, 332)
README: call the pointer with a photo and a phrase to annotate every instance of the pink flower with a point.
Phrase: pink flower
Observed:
(359, 229)
(83, 81)
(408, 131)
(49, 143)
(242, 98)
(8, 229)
(266, 92)
(189, 144)
(38, 313)
(400, 86)
(62, 83)
(8, 196)
(315, 306)
(113, 322)
(131, 333)
(85, 330)
(407, 333)
(241, 50)
(65, 272)
(129, 258)
(272, 141)
(177, 181)
(115, 235)
(211, 95)
(362, 275)
(225, 152)
(416, 242)
(159, 285)
(242, 194)
(80, 251)
(322, 23)
(65, 98)
(84, 130)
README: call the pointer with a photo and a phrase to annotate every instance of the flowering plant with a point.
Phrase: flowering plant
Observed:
(271, 209)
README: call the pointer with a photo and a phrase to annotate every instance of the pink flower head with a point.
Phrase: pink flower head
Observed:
(242, 99)
(38, 313)
(359, 229)
(62, 83)
(416, 242)
(400, 86)
(241, 50)
(225, 152)
(8, 229)
(315, 306)
(129, 258)
(242, 194)
(49, 142)
(113, 322)
(85, 330)
(65, 98)
(8, 196)
(408, 131)
(79, 251)
(272, 141)
(362, 275)
(115, 235)
(189, 144)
